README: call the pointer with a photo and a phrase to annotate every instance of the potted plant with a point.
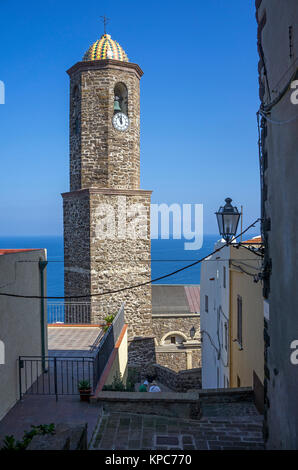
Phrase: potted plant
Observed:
(109, 320)
(85, 390)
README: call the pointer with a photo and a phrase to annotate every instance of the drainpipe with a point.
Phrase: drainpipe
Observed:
(42, 266)
(231, 325)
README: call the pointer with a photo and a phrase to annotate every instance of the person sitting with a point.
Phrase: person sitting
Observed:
(143, 387)
(154, 387)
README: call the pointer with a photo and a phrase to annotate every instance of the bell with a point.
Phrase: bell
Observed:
(116, 105)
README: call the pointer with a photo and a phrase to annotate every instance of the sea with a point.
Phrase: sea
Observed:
(167, 256)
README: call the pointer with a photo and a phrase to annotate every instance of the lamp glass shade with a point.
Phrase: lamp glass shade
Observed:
(192, 332)
(228, 219)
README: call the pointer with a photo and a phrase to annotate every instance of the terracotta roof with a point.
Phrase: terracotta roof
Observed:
(193, 297)
(16, 250)
(254, 241)
(175, 299)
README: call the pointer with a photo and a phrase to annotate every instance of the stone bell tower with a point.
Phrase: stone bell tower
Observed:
(106, 214)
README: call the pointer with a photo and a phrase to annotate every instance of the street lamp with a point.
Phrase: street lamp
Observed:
(228, 219)
(192, 332)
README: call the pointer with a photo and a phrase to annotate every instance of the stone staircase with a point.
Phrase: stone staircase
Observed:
(151, 432)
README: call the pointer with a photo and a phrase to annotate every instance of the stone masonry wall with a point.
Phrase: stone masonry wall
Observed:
(171, 356)
(77, 279)
(95, 264)
(164, 324)
(181, 381)
(140, 352)
(278, 51)
(101, 156)
(122, 261)
(177, 360)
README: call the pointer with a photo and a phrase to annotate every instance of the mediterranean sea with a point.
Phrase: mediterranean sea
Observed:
(167, 256)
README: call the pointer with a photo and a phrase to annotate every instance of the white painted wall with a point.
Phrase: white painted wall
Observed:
(20, 319)
(215, 367)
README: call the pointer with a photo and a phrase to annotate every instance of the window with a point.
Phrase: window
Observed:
(239, 320)
(173, 339)
(226, 336)
(206, 303)
(224, 277)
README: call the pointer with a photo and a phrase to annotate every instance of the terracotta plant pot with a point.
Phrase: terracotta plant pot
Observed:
(85, 394)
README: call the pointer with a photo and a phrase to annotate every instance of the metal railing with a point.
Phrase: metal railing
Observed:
(107, 344)
(69, 312)
(54, 375)
(60, 375)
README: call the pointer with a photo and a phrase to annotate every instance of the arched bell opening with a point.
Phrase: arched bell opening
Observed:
(120, 99)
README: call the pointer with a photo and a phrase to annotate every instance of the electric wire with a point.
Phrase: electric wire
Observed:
(99, 294)
(279, 123)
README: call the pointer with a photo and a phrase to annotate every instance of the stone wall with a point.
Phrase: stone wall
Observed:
(122, 261)
(278, 49)
(164, 324)
(141, 351)
(180, 405)
(77, 275)
(94, 264)
(101, 156)
(173, 356)
(179, 381)
(178, 359)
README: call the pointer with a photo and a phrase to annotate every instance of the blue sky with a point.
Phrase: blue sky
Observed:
(199, 97)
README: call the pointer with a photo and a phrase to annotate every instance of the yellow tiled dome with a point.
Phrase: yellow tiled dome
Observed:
(106, 48)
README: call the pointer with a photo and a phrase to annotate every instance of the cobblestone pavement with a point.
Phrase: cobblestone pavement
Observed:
(134, 431)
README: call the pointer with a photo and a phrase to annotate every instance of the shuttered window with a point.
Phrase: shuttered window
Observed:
(239, 319)
(206, 303)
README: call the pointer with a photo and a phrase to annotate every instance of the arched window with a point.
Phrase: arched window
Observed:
(120, 98)
(173, 338)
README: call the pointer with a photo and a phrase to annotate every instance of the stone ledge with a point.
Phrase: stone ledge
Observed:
(178, 405)
(140, 338)
(168, 397)
(172, 349)
(86, 65)
(107, 191)
(227, 395)
(175, 315)
(225, 391)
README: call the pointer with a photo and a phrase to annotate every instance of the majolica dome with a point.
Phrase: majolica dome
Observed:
(106, 48)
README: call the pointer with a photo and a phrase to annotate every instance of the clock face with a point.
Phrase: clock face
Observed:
(120, 121)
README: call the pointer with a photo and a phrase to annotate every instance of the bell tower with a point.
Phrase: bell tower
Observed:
(106, 214)
(102, 154)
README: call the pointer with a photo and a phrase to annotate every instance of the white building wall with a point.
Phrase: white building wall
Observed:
(20, 319)
(215, 348)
